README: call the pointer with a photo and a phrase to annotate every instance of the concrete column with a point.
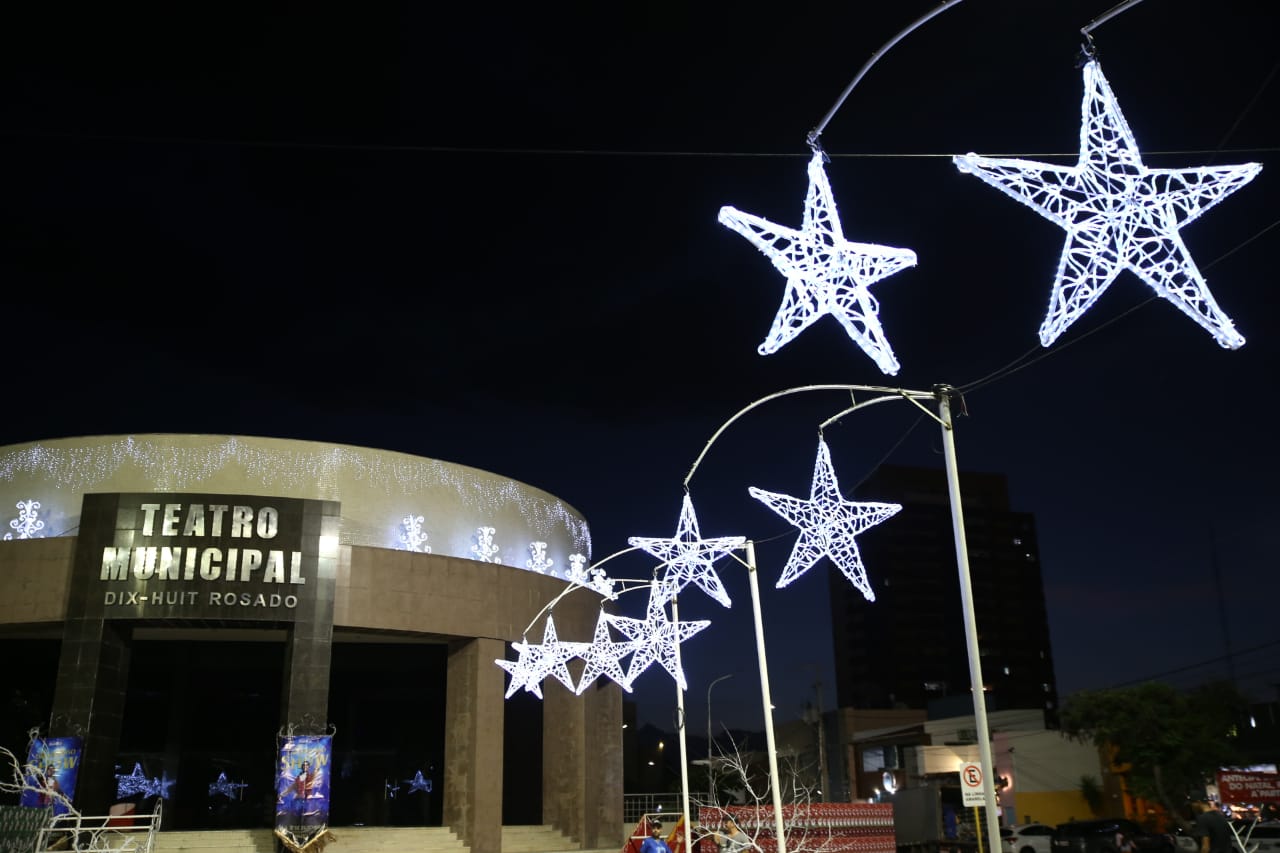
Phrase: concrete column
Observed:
(474, 706)
(582, 762)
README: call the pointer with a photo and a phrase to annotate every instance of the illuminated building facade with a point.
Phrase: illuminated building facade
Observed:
(181, 603)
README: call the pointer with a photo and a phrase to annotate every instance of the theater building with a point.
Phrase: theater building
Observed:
(182, 604)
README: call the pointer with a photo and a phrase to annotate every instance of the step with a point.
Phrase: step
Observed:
(536, 838)
(354, 839)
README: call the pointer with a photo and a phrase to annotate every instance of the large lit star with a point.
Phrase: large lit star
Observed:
(828, 524)
(656, 638)
(1118, 215)
(604, 656)
(556, 655)
(825, 273)
(689, 557)
(527, 670)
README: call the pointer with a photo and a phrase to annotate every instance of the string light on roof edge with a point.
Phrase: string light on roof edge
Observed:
(825, 273)
(689, 558)
(656, 638)
(1118, 214)
(828, 525)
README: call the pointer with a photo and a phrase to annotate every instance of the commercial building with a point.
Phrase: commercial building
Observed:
(182, 605)
(907, 649)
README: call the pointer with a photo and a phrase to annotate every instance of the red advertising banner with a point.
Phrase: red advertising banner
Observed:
(1244, 788)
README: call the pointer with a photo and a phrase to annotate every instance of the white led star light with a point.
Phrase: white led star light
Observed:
(527, 670)
(826, 274)
(688, 558)
(225, 787)
(556, 655)
(1118, 215)
(418, 783)
(828, 524)
(603, 656)
(656, 638)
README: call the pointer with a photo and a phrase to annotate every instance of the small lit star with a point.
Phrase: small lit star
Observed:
(825, 273)
(604, 656)
(656, 638)
(689, 557)
(1118, 215)
(828, 524)
(418, 783)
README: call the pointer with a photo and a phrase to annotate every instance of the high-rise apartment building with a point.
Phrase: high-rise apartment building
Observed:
(908, 649)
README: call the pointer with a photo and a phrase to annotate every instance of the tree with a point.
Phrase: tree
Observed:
(1171, 742)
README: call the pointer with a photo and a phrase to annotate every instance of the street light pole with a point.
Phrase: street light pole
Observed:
(711, 786)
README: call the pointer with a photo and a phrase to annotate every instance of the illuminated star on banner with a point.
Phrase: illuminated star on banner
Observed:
(604, 657)
(828, 524)
(656, 638)
(1118, 215)
(689, 557)
(825, 273)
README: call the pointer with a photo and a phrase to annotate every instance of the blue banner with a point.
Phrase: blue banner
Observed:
(52, 764)
(302, 787)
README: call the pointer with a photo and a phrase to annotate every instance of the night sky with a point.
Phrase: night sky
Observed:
(489, 236)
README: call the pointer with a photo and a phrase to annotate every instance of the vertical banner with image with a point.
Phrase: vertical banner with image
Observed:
(302, 791)
(52, 766)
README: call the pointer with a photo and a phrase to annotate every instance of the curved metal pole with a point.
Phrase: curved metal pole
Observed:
(822, 125)
(1106, 16)
(970, 623)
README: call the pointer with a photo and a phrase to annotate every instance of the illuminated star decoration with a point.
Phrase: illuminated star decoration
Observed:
(527, 670)
(226, 788)
(826, 274)
(418, 783)
(556, 655)
(656, 638)
(689, 558)
(1118, 215)
(604, 656)
(132, 784)
(828, 524)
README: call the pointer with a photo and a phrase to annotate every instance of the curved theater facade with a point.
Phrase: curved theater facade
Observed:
(268, 632)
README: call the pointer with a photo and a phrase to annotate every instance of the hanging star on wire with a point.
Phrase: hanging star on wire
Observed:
(826, 274)
(527, 670)
(604, 656)
(656, 638)
(556, 655)
(828, 524)
(689, 558)
(418, 783)
(1118, 215)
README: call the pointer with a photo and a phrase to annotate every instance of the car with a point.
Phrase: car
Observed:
(1027, 838)
(1099, 836)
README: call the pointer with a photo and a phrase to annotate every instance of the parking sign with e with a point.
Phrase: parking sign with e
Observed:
(971, 785)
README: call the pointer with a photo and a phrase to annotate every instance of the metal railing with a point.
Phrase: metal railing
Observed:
(130, 833)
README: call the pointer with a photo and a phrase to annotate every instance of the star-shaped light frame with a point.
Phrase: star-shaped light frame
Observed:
(527, 670)
(603, 656)
(826, 274)
(828, 524)
(688, 558)
(657, 638)
(1118, 215)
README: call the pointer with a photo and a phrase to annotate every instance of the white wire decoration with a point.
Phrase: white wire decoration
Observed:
(527, 670)
(556, 655)
(689, 558)
(28, 524)
(1118, 215)
(603, 656)
(825, 273)
(828, 524)
(656, 638)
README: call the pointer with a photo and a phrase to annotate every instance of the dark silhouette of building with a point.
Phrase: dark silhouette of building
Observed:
(907, 649)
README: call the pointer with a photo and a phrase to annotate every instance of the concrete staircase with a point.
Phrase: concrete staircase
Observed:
(536, 839)
(347, 839)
